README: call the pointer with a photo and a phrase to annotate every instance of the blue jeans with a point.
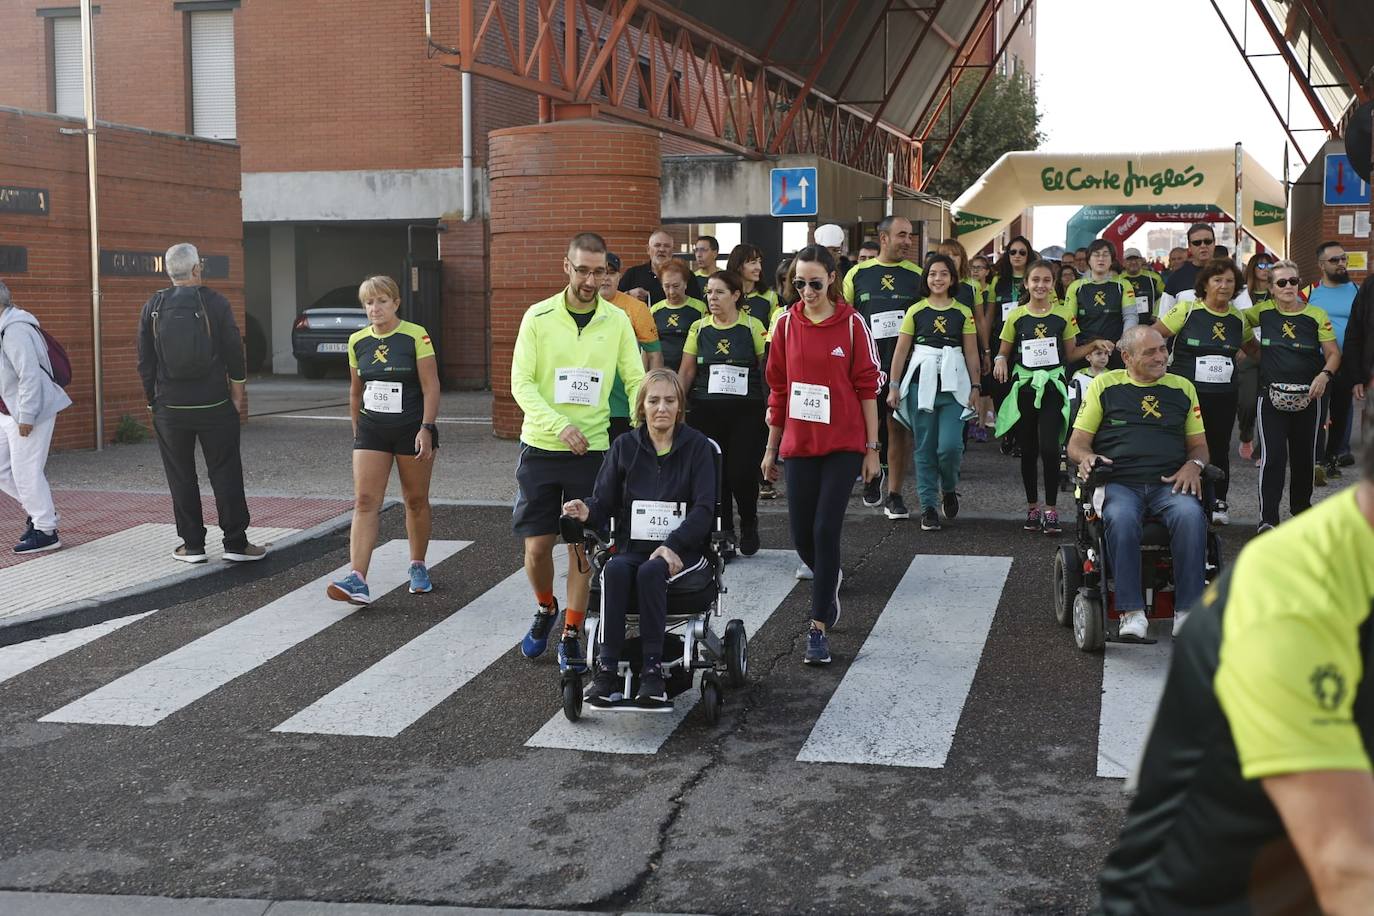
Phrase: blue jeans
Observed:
(939, 449)
(1123, 514)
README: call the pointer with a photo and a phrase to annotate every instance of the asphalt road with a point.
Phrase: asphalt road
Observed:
(1006, 813)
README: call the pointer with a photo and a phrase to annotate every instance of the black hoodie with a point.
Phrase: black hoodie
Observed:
(634, 470)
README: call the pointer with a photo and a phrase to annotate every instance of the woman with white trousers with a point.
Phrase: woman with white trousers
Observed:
(31, 403)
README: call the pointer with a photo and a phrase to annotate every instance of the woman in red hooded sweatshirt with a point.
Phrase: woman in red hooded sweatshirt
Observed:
(823, 379)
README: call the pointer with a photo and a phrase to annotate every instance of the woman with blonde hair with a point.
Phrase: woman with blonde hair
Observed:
(659, 462)
(393, 399)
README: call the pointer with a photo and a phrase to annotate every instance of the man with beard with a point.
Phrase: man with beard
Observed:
(1335, 295)
(568, 351)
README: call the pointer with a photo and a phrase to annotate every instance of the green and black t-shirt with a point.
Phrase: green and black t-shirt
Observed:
(760, 305)
(389, 366)
(1206, 344)
(1098, 305)
(1148, 288)
(1028, 332)
(729, 359)
(882, 293)
(673, 323)
(1271, 676)
(1290, 344)
(931, 325)
(1143, 429)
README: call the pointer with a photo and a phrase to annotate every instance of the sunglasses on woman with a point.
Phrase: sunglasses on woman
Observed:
(1286, 281)
(800, 284)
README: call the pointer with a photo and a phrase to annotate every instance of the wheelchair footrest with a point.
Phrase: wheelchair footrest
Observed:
(1133, 640)
(630, 705)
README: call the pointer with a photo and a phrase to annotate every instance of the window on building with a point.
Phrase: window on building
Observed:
(213, 102)
(68, 85)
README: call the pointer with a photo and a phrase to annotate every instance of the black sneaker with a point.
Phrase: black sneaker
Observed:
(604, 689)
(1333, 469)
(895, 508)
(767, 490)
(1346, 460)
(749, 537)
(950, 504)
(873, 492)
(653, 690)
(1007, 445)
(929, 520)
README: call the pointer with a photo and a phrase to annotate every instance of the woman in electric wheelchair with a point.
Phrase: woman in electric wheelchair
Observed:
(659, 484)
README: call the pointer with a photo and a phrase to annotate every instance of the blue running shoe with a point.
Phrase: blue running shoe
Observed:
(350, 588)
(817, 648)
(570, 656)
(537, 639)
(419, 579)
(35, 541)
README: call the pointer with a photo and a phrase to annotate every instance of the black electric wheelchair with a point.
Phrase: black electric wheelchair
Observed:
(1084, 596)
(692, 641)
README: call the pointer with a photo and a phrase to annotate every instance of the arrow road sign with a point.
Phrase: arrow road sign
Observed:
(1343, 187)
(793, 192)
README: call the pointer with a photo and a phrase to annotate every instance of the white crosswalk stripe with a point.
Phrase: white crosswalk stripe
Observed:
(757, 586)
(391, 695)
(1132, 683)
(16, 659)
(149, 694)
(900, 701)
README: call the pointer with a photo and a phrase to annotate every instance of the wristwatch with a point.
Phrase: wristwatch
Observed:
(433, 433)
(1329, 374)
(1201, 465)
(876, 446)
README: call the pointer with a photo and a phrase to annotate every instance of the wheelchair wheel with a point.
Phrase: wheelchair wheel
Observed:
(572, 697)
(1068, 575)
(1087, 623)
(711, 699)
(736, 653)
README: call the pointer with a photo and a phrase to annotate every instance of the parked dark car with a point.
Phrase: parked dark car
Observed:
(319, 337)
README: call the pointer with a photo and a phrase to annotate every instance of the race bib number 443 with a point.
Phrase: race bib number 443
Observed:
(809, 402)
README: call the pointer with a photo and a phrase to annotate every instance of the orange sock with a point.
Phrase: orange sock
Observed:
(572, 620)
(545, 599)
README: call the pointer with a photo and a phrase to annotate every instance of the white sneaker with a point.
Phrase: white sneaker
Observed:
(1134, 624)
(804, 572)
(1221, 513)
(1180, 618)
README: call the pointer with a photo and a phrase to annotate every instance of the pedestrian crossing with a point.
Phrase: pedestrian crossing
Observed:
(899, 703)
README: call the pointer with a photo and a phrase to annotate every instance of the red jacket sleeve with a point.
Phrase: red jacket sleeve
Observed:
(776, 373)
(865, 370)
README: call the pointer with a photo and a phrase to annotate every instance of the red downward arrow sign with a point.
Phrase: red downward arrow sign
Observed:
(1340, 177)
(782, 201)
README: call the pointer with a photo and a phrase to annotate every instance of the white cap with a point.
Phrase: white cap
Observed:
(829, 236)
(1132, 253)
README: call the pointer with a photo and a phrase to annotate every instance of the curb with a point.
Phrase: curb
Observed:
(192, 572)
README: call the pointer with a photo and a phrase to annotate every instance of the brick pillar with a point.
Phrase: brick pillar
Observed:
(547, 183)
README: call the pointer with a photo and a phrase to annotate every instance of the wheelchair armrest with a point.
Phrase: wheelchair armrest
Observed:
(1213, 473)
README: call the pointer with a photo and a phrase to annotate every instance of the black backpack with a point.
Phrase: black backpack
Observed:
(182, 338)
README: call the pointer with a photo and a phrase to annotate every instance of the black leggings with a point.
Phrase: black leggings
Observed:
(817, 496)
(738, 429)
(1219, 417)
(1037, 432)
(1286, 435)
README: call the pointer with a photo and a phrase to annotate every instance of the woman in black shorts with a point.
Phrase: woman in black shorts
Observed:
(394, 400)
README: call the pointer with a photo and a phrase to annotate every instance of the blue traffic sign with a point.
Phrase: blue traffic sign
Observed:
(1343, 187)
(793, 192)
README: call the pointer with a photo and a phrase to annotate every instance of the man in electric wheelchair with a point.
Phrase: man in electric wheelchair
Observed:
(657, 494)
(1141, 455)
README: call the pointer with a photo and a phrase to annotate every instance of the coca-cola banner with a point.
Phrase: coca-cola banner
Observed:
(1202, 178)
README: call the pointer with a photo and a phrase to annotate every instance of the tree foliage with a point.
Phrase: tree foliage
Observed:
(1003, 120)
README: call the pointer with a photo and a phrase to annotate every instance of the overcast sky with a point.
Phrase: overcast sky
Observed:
(1155, 75)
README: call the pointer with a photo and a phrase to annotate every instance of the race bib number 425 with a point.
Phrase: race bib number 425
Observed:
(577, 386)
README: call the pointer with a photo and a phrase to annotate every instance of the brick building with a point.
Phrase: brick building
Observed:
(155, 189)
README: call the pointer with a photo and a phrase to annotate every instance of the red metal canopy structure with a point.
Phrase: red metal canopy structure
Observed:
(854, 81)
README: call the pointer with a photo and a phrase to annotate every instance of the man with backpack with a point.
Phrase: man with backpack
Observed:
(190, 357)
(30, 399)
